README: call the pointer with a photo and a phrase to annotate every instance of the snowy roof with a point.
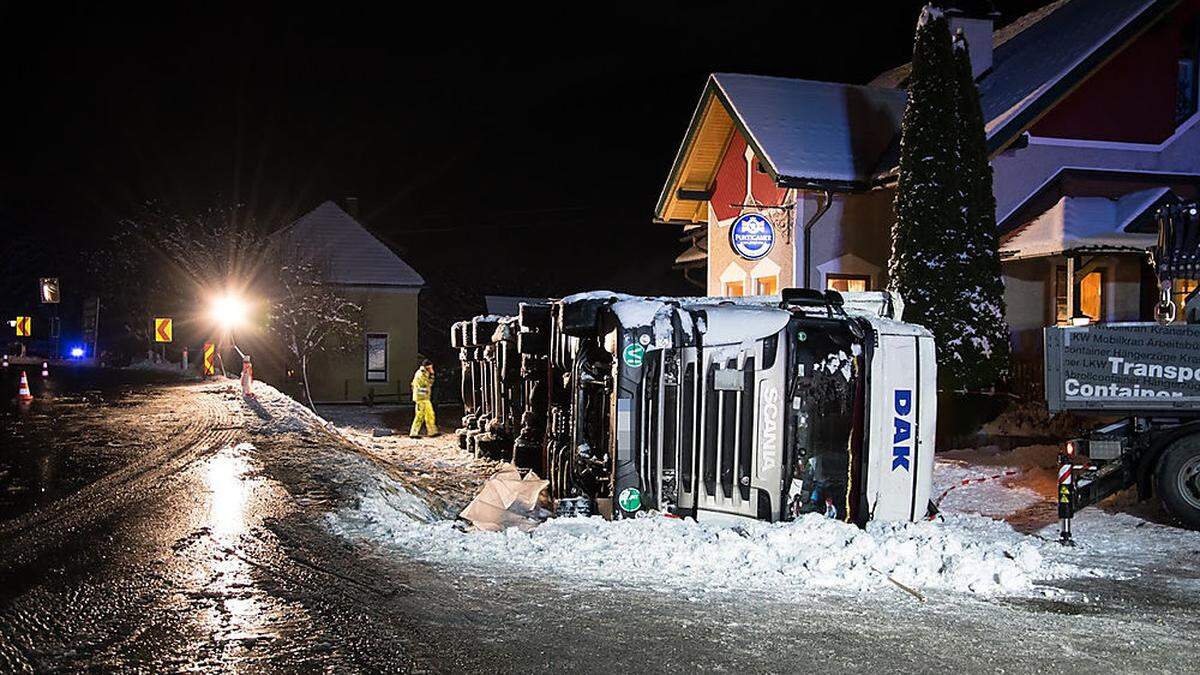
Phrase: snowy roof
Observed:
(1045, 53)
(1083, 223)
(353, 255)
(840, 136)
(808, 132)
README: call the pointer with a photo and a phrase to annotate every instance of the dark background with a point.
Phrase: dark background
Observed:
(504, 149)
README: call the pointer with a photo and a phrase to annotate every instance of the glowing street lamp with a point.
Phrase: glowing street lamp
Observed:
(228, 312)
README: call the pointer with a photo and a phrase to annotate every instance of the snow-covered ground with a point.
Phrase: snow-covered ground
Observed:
(969, 549)
(960, 553)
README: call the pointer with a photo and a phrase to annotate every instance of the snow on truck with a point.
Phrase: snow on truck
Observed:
(765, 408)
(1148, 374)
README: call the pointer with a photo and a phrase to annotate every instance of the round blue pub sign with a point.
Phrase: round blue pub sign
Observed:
(752, 236)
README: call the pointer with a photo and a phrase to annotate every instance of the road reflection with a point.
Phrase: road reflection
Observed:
(238, 613)
(227, 489)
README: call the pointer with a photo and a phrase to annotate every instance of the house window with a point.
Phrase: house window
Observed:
(377, 361)
(1189, 51)
(847, 283)
(1091, 296)
(735, 289)
(766, 285)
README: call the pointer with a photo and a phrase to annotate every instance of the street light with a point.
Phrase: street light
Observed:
(228, 311)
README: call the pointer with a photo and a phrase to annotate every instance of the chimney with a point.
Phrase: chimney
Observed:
(352, 204)
(976, 20)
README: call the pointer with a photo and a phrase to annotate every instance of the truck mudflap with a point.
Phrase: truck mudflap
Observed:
(901, 420)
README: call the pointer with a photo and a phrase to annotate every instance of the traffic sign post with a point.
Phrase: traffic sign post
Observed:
(210, 359)
(162, 329)
(24, 326)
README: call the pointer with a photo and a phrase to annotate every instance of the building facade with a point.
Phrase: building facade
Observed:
(367, 272)
(1091, 119)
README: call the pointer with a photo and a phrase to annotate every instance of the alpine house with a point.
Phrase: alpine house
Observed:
(1090, 111)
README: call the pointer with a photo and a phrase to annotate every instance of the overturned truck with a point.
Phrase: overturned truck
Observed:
(765, 408)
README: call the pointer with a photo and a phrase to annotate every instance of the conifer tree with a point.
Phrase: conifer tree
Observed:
(981, 355)
(925, 236)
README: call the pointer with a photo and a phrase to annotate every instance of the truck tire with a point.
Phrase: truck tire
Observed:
(1178, 480)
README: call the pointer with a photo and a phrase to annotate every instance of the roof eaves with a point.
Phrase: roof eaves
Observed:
(681, 153)
(804, 183)
(740, 123)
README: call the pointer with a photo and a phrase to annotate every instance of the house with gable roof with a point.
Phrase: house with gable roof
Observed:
(369, 273)
(1091, 120)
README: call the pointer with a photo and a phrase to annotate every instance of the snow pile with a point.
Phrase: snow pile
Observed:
(382, 501)
(279, 413)
(962, 553)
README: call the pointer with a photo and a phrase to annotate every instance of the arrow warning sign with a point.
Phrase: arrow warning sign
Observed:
(210, 367)
(23, 324)
(162, 330)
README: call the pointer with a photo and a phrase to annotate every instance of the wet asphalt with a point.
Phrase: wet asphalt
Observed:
(138, 534)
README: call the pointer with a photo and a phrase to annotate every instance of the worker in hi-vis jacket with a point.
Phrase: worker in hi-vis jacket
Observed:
(422, 384)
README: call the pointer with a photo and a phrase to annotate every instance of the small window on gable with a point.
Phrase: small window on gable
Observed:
(735, 289)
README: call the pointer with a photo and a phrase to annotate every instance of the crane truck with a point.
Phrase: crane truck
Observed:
(1147, 375)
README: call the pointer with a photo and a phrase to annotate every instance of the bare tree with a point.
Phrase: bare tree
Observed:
(311, 316)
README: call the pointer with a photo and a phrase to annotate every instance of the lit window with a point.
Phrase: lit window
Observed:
(377, 362)
(1091, 296)
(766, 285)
(735, 289)
(1180, 290)
(847, 283)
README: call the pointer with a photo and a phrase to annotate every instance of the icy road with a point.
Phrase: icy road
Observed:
(169, 527)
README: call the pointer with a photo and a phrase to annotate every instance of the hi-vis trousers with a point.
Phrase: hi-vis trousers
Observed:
(424, 415)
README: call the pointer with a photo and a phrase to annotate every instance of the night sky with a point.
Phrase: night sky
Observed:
(502, 150)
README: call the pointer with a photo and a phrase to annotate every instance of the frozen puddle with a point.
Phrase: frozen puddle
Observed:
(963, 553)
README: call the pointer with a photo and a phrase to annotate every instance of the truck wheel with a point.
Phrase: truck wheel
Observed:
(1179, 481)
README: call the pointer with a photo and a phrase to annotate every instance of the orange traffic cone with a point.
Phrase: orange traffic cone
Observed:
(23, 391)
(45, 369)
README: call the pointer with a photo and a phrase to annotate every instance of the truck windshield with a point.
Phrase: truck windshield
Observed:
(821, 405)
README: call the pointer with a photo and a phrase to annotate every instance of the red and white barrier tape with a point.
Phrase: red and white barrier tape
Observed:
(970, 481)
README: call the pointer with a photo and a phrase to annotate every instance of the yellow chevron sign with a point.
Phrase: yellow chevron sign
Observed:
(162, 330)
